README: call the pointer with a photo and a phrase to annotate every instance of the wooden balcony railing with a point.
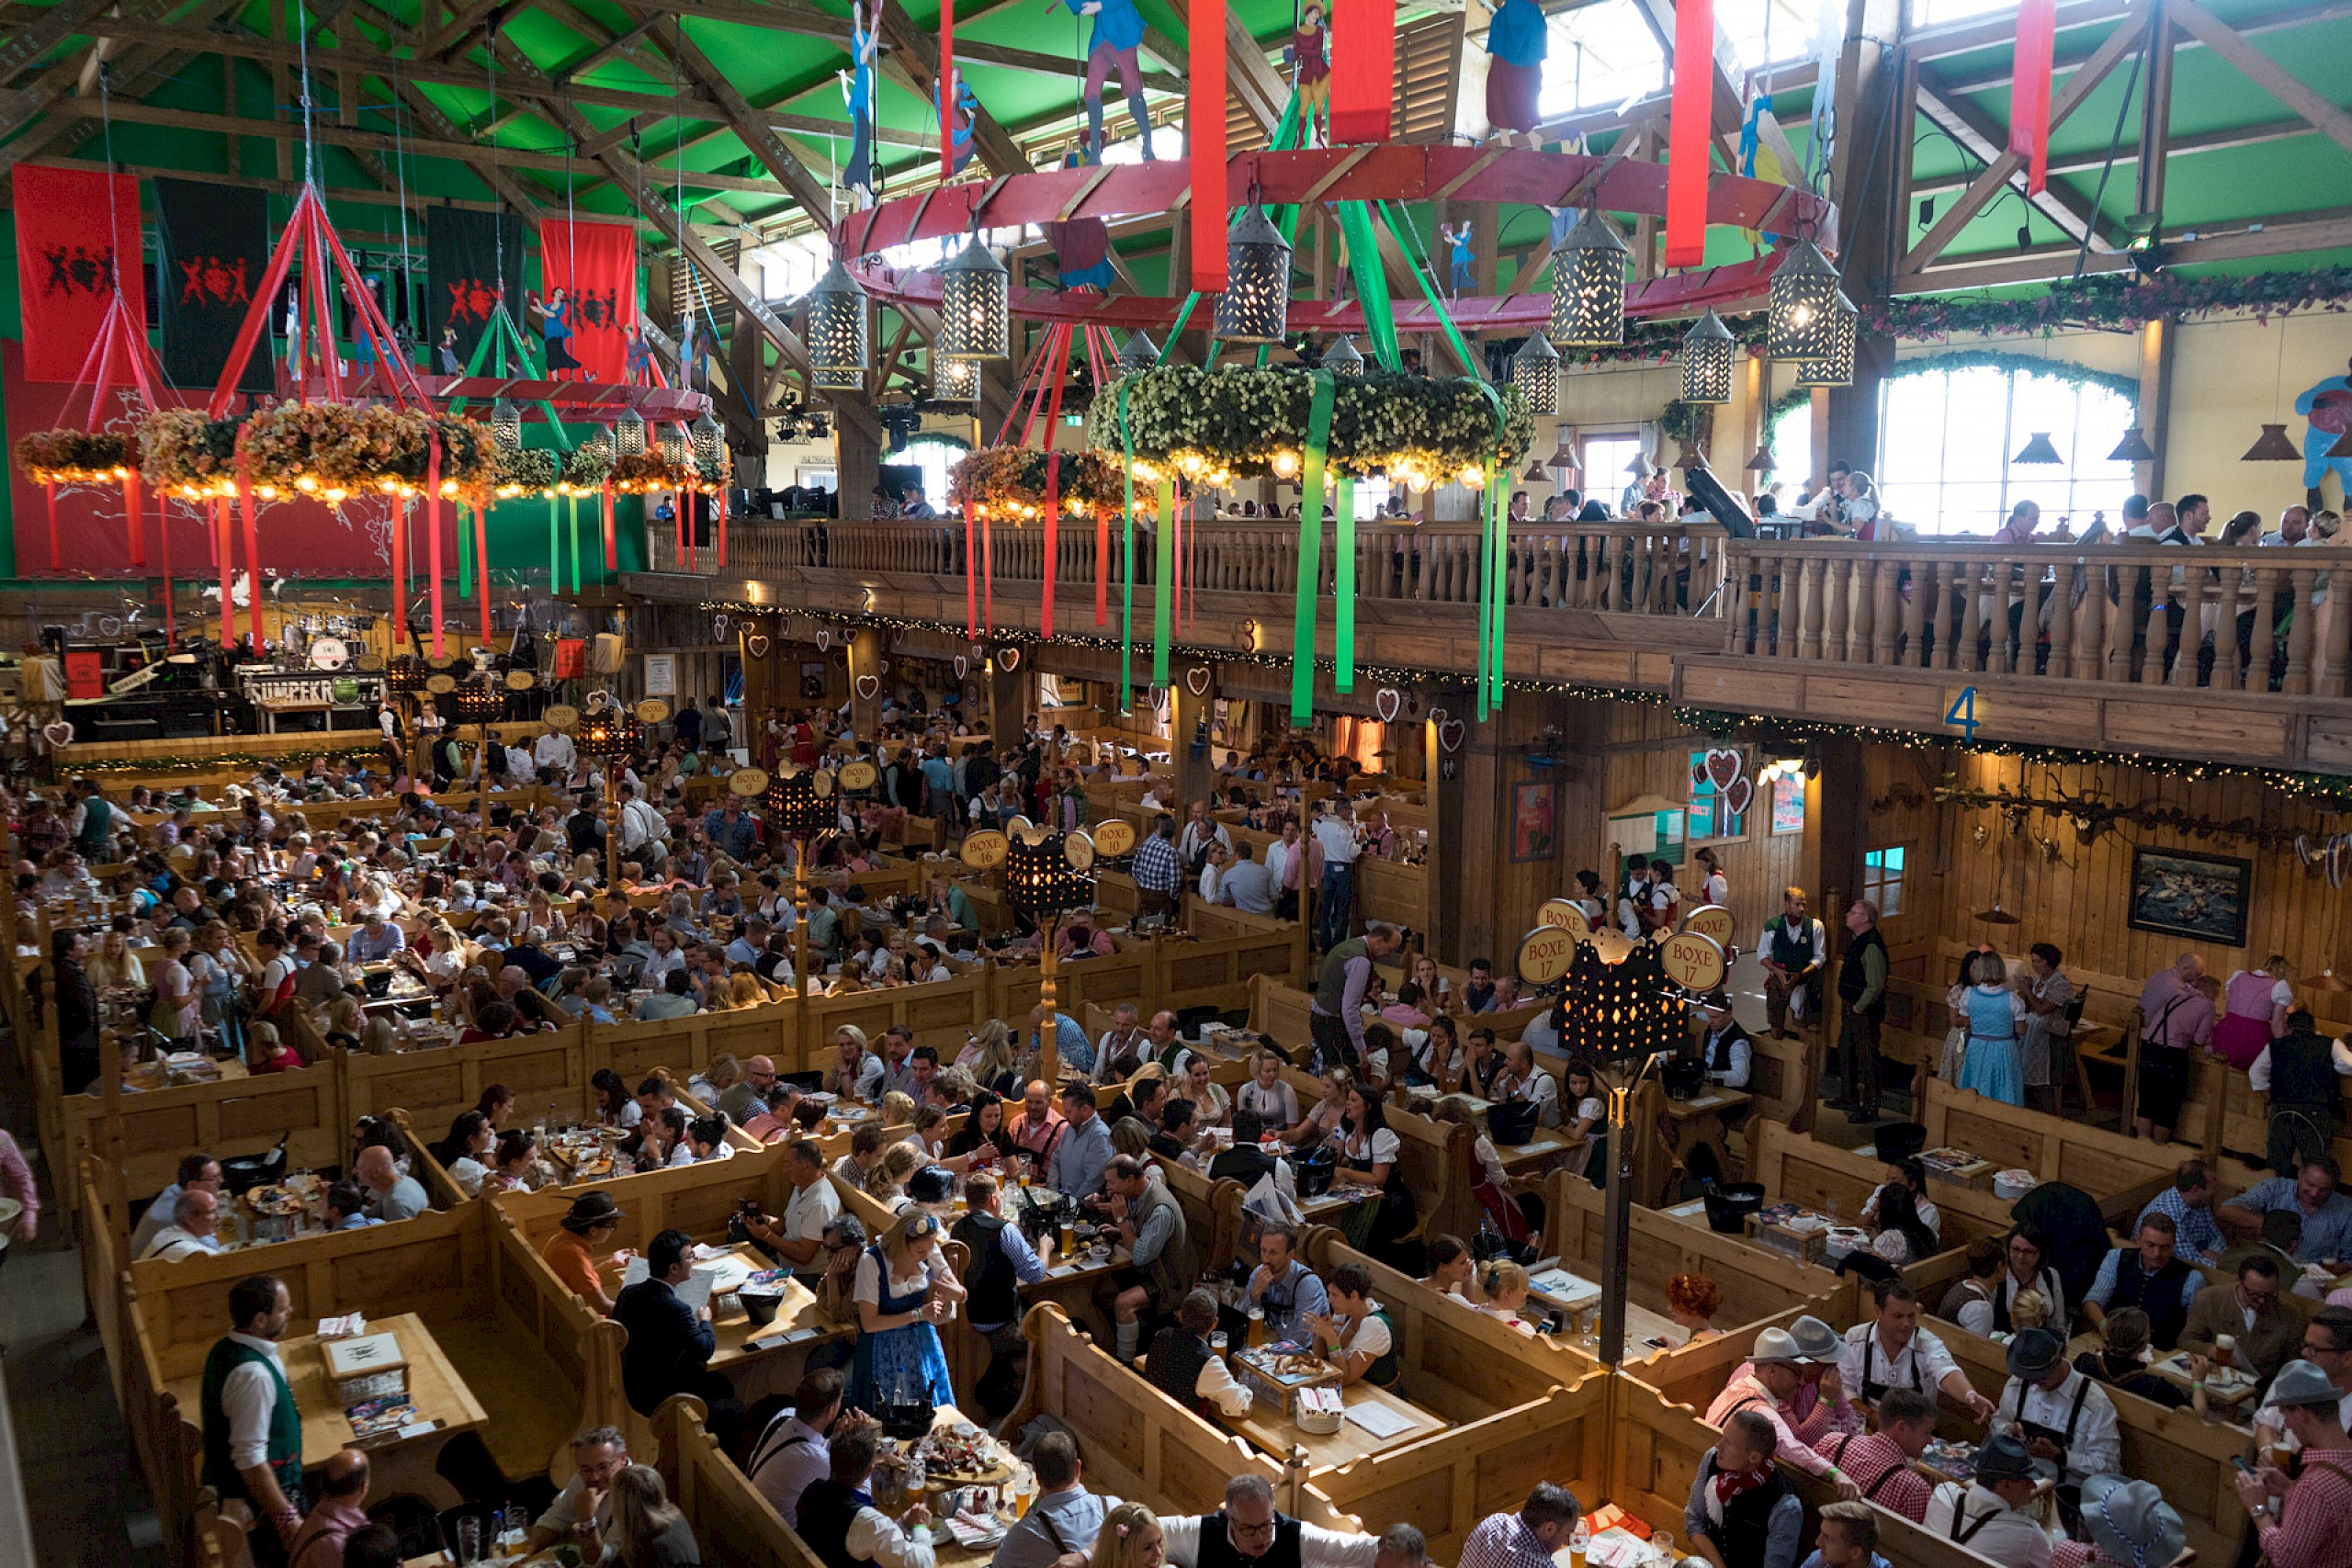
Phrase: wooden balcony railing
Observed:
(1622, 569)
(2239, 619)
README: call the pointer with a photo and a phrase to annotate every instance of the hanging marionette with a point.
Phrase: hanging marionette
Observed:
(1118, 30)
(966, 114)
(1457, 242)
(1310, 64)
(1081, 249)
(860, 177)
(555, 327)
(1516, 42)
(2327, 405)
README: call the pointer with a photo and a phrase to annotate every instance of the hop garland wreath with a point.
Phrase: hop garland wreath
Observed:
(586, 468)
(1009, 481)
(528, 471)
(1248, 421)
(185, 452)
(645, 472)
(75, 456)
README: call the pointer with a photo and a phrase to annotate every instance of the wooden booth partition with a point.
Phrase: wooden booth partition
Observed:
(696, 1199)
(1797, 1168)
(732, 1521)
(582, 1347)
(1217, 923)
(231, 1117)
(433, 1086)
(1392, 891)
(1212, 1212)
(2122, 1173)
(1221, 973)
(1755, 1282)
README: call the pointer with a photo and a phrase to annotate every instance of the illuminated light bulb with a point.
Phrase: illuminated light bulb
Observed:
(1473, 476)
(306, 484)
(1286, 464)
(448, 488)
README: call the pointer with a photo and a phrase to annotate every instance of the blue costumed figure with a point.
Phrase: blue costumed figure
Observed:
(1118, 30)
(1081, 249)
(898, 1360)
(965, 115)
(555, 331)
(2328, 407)
(1458, 243)
(1517, 42)
(859, 174)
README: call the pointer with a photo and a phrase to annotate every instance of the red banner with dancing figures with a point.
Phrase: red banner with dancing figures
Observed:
(2029, 90)
(588, 287)
(65, 262)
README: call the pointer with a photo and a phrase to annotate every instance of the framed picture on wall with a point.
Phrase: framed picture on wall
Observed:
(1534, 814)
(1788, 804)
(2182, 894)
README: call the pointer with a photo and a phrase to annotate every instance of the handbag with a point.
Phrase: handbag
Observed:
(1513, 1121)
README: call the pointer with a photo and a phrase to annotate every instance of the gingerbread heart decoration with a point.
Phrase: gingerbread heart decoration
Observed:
(868, 687)
(58, 732)
(1451, 733)
(1737, 794)
(963, 666)
(757, 645)
(1196, 680)
(1158, 697)
(1724, 765)
(883, 665)
(719, 627)
(824, 638)
(1387, 702)
(1010, 657)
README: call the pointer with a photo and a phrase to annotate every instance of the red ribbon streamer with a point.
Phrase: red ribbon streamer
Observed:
(719, 514)
(987, 575)
(51, 488)
(224, 556)
(400, 574)
(1204, 127)
(1363, 69)
(253, 564)
(2030, 89)
(971, 574)
(1054, 491)
(482, 569)
(612, 541)
(1686, 132)
(163, 546)
(433, 531)
(944, 89)
(134, 519)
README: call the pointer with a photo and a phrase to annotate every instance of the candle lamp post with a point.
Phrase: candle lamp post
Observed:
(1047, 873)
(609, 734)
(479, 703)
(799, 805)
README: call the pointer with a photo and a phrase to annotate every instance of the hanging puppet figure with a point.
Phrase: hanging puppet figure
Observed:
(1310, 62)
(1081, 249)
(1118, 29)
(447, 355)
(2328, 407)
(1457, 242)
(860, 176)
(966, 114)
(640, 356)
(1516, 40)
(555, 328)
(294, 335)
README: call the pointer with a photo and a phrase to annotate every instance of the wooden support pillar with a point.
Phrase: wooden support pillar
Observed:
(1008, 700)
(1836, 807)
(1755, 387)
(1188, 730)
(857, 465)
(866, 694)
(1872, 152)
(2156, 340)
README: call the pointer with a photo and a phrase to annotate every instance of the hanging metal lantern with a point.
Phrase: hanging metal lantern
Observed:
(629, 435)
(1708, 354)
(1344, 359)
(608, 732)
(677, 448)
(506, 426)
(1588, 285)
(954, 380)
(709, 441)
(1255, 306)
(800, 803)
(1140, 354)
(1834, 365)
(598, 447)
(478, 703)
(1800, 316)
(1536, 371)
(837, 381)
(975, 306)
(838, 330)
(2041, 449)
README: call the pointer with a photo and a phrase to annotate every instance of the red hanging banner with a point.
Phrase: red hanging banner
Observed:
(1364, 69)
(971, 572)
(1688, 129)
(433, 533)
(944, 91)
(225, 555)
(482, 569)
(595, 267)
(1205, 128)
(2030, 89)
(66, 259)
(612, 540)
(163, 548)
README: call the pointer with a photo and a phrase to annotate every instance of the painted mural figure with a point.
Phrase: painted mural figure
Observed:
(2328, 408)
(1310, 59)
(1117, 32)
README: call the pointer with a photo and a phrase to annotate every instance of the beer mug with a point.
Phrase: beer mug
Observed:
(1257, 1328)
(1217, 1344)
(2226, 1348)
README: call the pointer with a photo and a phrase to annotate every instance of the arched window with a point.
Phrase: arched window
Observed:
(1948, 437)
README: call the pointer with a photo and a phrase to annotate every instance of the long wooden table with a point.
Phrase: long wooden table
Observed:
(1271, 1428)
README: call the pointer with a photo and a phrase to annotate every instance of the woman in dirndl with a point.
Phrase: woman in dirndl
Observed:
(2254, 1011)
(903, 1290)
(1516, 42)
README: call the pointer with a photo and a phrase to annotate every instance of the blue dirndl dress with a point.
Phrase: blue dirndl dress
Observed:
(1993, 1067)
(898, 1364)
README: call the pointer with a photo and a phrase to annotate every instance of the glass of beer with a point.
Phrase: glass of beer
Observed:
(2278, 1453)
(1217, 1344)
(2225, 1350)
(1257, 1328)
(1068, 1235)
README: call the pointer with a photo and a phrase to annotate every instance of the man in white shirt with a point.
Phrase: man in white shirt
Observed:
(2064, 1419)
(1894, 1351)
(838, 1519)
(1200, 832)
(1524, 1082)
(555, 752)
(806, 1212)
(641, 826)
(193, 1230)
(1249, 1527)
(795, 1452)
(583, 1509)
(1988, 1514)
(1286, 870)
(1336, 839)
(1181, 1365)
(247, 1406)
(519, 765)
(1246, 884)
(198, 1170)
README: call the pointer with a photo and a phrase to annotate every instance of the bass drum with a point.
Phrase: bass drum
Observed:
(330, 653)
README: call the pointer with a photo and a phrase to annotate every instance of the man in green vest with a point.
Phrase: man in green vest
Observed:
(92, 824)
(1336, 1019)
(253, 1432)
(1793, 949)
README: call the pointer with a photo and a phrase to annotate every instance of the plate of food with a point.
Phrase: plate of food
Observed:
(275, 1199)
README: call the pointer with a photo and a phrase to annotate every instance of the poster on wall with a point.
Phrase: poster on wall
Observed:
(2179, 892)
(1533, 819)
(1788, 804)
(661, 674)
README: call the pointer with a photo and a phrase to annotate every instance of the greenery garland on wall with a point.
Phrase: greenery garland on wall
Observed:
(2124, 386)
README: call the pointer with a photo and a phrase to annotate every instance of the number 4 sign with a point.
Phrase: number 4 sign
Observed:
(1962, 715)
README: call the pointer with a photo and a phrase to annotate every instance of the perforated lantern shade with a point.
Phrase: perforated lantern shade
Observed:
(609, 732)
(1588, 285)
(598, 447)
(676, 447)
(404, 672)
(1139, 353)
(1834, 366)
(794, 809)
(1255, 306)
(629, 435)
(1708, 353)
(476, 703)
(506, 425)
(975, 306)
(1801, 312)
(1345, 360)
(838, 329)
(708, 440)
(1536, 371)
(954, 380)
(837, 381)
(1039, 880)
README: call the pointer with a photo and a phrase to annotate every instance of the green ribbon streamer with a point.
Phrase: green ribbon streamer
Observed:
(575, 544)
(465, 552)
(1344, 595)
(1127, 605)
(1498, 516)
(554, 548)
(1310, 546)
(1428, 292)
(1371, 283)
(1163, 582)
(1486, 572)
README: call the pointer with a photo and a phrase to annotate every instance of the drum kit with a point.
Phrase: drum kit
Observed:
(331, 642)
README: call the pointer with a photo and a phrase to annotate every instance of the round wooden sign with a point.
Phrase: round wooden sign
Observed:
(1544, 953)
(858, 776)
(1114, 835)
(986, 850)
(652, 710)
(748, 781)
(520, 679)
(1692, 961)
(563, 715)
(1078, 850)
(440, 685)
(1560, 912)
(1711, 921)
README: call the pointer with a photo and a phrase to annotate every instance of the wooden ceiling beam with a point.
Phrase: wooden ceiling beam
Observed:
(2300, 97)
(1975, 131)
